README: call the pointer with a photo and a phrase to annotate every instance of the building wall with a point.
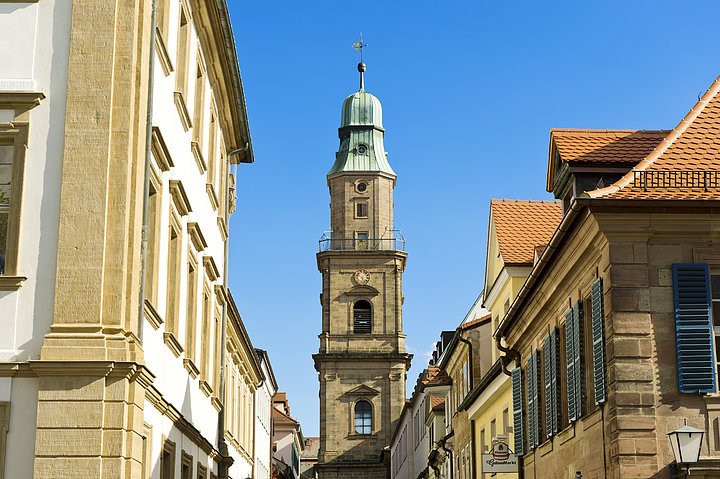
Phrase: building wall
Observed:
(263, 425)
(75, 296)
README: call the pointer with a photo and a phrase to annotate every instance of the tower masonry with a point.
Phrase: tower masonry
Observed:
(361, 362)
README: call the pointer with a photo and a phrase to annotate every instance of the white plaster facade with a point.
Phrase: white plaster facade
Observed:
(34, 39)
(263, 418)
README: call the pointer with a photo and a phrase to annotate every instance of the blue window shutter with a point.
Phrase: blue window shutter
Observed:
(518, 419)
(570, 364)
(554, 349)
(598, 335)
(578, 351)
(547, 353)
(693, 328)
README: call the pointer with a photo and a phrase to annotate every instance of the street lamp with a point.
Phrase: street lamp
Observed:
(686, 443)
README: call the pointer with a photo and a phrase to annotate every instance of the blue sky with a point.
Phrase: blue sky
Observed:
(470, 91)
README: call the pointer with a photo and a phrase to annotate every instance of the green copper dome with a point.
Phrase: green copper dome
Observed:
(361, 133)
(361, 108)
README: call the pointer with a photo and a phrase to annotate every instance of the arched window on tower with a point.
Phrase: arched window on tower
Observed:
(363, 417)
(362, 317)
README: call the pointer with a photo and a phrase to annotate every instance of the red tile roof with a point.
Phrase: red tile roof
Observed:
(521, 225)
(438, 378)
(280, 417)
(437, 403)
(605, 146)
(681, 164)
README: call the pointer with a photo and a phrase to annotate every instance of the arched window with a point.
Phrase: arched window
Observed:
(362, 317)
(363, 417)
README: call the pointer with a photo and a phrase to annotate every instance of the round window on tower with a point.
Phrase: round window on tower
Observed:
(362, 149)
(361, 187)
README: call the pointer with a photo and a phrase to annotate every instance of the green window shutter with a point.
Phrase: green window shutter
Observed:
(598, 335)
(518, 419)
(547, 352)
(578, 351)
(537, 374)
(532, 417)
(693, 328)
(570, 364)
(554, 350)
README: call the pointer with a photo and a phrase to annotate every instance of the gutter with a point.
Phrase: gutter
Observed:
(146, 173)
(581, 205)
(236, 79)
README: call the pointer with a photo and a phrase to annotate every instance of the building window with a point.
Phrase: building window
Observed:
(362, 317)
(363, 417)
(201, 471)
(361, 240)
(167, 460)
(361, 210)
(186, 467)
(11, 174)
(183, 53)
(361, 187)
(191, 306)
(173, 275)
(199, 106)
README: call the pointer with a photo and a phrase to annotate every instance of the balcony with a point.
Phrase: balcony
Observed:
(391, 241)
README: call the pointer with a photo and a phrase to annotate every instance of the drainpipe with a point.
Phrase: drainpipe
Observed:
(449, 455)
(146, 177)
(225, 460)
(473, 453)
(510, 354)
(470, 355)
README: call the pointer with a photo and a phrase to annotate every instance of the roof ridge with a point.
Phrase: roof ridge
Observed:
(510, 200)
(604, 130)
(659, 150)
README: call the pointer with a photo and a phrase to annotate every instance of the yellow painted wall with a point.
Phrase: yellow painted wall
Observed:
(493, 409)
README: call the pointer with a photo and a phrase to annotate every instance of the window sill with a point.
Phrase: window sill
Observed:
(162, 53)
(545, 447)
(172, 343)
(359, 437)
(152, 315)
(191, 368)
(205, 388)
(11, 283)
(182, 111)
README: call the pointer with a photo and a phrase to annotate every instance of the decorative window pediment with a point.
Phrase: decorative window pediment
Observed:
(362, 290)
(363, 390)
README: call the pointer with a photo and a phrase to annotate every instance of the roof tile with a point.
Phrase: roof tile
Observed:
(605, 146)
(521, 225)
(685, 165)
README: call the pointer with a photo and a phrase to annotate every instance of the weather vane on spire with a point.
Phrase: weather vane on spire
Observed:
(361, 66)
(359, 46)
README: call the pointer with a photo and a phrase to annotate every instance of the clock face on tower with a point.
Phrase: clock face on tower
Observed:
(362, 276)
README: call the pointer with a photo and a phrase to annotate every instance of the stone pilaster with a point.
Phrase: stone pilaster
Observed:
(89, 419)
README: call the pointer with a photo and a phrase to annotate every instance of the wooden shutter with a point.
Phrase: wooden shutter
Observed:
(598, 335)
(578, 351)
(547, 353)
(570, 364)
(554, 393)
(693, 328)
(530, 368)
(518, 419)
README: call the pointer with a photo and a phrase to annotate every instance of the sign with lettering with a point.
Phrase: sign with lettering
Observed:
(500, 459)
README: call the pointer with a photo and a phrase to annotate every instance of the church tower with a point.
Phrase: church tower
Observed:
(362, 360)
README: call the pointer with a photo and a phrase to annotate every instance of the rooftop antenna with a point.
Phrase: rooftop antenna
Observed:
(361, 66)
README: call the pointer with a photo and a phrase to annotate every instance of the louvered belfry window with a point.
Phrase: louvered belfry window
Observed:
(693, 327)
(518, 411)
(550, 351)
(362, 317)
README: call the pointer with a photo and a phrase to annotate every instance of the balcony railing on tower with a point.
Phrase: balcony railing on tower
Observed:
(392, 240)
